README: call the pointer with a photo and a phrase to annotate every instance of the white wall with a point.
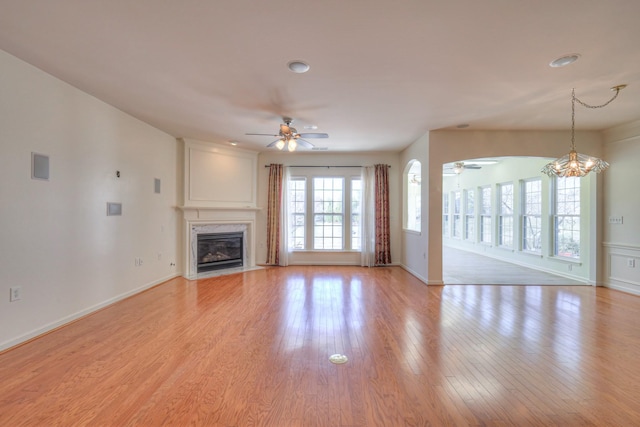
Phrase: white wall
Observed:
(56, 242)
(329, 159)
(415, 246)
(621, 260)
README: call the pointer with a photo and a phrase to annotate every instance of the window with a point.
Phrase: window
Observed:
(457, 219)
(532, 215)
(470, 216)
(413, 202)
(485, 215)
(324, 212)
(445, 214)
(297, 212)
(567, 217)
(328, 213)
(505, 219)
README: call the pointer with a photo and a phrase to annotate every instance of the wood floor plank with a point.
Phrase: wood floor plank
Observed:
(252, 349)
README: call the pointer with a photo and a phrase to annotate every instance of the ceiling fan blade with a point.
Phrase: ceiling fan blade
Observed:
(273, 144)
(303, 143)
(314, 135)
(472, 167)
(262, 134)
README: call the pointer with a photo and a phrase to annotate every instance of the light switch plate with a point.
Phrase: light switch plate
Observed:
(615, 219)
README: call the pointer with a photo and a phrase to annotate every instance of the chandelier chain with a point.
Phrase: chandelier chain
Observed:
(574, 99)
(584, 104)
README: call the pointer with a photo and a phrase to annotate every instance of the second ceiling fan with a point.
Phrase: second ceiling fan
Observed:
(289, 137)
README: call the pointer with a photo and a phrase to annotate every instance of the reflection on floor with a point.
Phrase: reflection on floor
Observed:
(467, 268)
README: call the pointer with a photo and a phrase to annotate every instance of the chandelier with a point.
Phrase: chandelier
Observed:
(574, 163)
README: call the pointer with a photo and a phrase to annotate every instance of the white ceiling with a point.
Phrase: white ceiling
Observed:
(383, 73)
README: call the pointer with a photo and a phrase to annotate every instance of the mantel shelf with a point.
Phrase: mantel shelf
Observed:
(218, 208)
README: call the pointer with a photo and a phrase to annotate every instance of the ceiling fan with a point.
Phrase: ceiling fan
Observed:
(289, 137)
(458, 167)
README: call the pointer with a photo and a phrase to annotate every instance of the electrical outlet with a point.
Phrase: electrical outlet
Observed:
(631, 263)
(140, 261)
(16, 294)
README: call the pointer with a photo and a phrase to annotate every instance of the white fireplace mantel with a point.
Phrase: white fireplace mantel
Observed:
(218, 208)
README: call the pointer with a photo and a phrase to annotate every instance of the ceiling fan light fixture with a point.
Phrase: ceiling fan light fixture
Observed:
(298, 67)
(289, 137)
(458, 167)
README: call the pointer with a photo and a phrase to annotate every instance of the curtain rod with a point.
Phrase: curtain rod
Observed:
(301, 166)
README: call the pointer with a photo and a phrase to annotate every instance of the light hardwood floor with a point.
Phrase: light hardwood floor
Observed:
(252, 349)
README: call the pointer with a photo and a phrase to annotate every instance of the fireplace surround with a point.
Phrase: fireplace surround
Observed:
(218, 221)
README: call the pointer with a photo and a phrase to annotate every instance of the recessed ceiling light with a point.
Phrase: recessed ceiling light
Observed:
(234, 143)
(298, 67)
(564, 60)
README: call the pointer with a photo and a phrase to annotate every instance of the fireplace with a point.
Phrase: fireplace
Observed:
(227, 221)
(220, 250)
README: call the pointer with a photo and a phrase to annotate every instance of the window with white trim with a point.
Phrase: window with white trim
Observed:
(413, 187)
(324, 212)
(485, 215)
(328, 213)
(457, 215)
(445, 214)
(470, 215)
(567, 217)
(532, 215)
(297, 212)
(505, 215)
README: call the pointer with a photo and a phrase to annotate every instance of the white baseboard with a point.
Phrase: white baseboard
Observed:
(416, 274)
(630, 289)
(75, 316)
